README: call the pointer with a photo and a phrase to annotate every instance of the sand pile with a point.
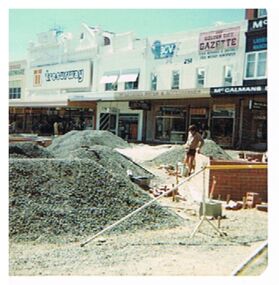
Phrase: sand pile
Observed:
(73, 140)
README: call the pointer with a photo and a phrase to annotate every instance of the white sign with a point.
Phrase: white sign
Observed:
(219, 40)
(61, 76)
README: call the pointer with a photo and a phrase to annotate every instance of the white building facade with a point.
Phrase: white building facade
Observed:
(140, 89)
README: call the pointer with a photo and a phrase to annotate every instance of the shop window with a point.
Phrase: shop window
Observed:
(175, 80)
(262, 13)
(170, 125)
(200, 77)
(222, 125)
(128, 126)
(153, 82)
(199, 117)
(256, 65)
(228, 75)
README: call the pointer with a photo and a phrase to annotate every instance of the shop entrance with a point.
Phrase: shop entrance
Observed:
(108, 122)
(223, 117)
(128, 126)
(170, 125)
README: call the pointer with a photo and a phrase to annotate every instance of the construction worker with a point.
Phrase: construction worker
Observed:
(193, 144)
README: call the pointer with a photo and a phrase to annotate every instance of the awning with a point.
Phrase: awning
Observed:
(109, 78)
(129, 77)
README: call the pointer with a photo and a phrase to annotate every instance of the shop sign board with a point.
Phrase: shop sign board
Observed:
(255, 105)
(256, 42)
(257, 24)
(238, 90)
(140, 105)
(163, 50)
(61, 76)
(219, 43)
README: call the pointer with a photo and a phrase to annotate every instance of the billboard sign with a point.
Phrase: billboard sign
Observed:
(219, 42)
(61, 76)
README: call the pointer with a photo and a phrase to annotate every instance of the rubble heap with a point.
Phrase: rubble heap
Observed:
(61, 146)
(110, 159)
(78, 193)
(28, 150)
(177, 153)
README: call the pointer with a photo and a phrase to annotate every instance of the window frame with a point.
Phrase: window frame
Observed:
(256, 63)
(132, 85)
(197, 77)
(154, 81)
(174, 84)
(14, 93)
(260, 15)
(226, 83)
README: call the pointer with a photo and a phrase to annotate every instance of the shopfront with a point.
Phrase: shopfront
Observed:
(223, 124)
(242, 122)
(170, 124)
(120, 118)
(40, 120)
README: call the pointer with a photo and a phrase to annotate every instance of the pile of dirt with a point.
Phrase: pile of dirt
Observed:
(28, 150)
(110, 159)
(51, 198)
(177, 153)
(61, 146)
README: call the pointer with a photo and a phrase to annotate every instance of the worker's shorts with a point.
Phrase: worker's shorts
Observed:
(191, 152)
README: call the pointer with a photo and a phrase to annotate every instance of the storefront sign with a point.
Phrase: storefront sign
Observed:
(255, 105)
(257, 25)
(163, 51)
(61, 76)
(238, 90)
(198, 111)
(256, 43)
(139, 105)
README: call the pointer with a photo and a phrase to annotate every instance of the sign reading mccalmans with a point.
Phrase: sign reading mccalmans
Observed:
(239, 90)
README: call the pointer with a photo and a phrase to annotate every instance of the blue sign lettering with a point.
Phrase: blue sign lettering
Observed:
(163, 51)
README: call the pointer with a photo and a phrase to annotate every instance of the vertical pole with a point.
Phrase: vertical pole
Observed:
(203, 194)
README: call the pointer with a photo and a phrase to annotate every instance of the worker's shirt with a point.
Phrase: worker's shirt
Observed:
(194, 141)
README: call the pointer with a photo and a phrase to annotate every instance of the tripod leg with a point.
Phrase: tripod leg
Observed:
(221, 234)
(197, 227)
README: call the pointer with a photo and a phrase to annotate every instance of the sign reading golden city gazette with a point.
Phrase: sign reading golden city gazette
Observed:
(219, 43)
(61, 76)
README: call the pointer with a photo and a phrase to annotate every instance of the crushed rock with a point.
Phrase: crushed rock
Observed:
(177, 153)
(72, 140)
(28, 150)
(50, 198)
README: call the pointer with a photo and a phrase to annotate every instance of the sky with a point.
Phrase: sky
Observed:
(25, 24)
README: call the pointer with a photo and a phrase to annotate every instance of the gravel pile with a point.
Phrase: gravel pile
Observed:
(28, 150)
(210, 148)
(61, 146)
(110, 159)
(177, 153)
(50, 198)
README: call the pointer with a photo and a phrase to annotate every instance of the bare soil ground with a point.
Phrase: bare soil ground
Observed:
(159, 252)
